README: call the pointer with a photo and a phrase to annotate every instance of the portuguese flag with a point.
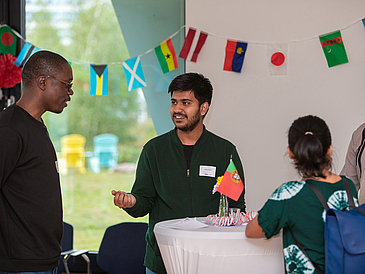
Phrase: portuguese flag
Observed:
(7, 41)
(231, 184)
(334, 49)
(166, 55)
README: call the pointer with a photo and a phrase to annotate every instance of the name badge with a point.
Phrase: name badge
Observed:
(207, 171)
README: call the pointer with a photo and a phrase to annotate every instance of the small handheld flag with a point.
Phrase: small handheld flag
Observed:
(235, 54)
(134, 74)
(7, 40)
(166, 55)
(98, 79)
(334, 49)
(231, 184)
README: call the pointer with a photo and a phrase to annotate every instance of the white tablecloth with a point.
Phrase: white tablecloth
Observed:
(222, 250)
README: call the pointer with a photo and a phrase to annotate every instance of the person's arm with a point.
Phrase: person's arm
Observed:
(10, 150)
(349, 168)
(254, 230)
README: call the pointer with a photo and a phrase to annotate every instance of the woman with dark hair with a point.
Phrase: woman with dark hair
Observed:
(294, 206)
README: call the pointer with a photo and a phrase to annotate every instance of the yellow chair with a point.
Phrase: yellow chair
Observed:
(73, 152)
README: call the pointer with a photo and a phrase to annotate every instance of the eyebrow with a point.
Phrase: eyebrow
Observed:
(182, 100)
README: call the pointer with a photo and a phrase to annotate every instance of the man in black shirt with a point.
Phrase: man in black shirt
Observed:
(31, 220)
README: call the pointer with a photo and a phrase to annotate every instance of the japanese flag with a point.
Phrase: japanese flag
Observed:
(277, 55)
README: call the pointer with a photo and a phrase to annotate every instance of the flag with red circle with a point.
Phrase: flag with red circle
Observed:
(278, 58)
(7, 41)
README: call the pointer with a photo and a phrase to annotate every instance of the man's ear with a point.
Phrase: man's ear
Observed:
(204, 108)
(42, 82)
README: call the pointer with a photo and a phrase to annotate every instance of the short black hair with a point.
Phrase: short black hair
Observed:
(197, 83)
(42, 63)
(309, 139)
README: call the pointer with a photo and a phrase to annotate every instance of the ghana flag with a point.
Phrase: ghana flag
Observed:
(7, 41)
(334, 49)
(231, 184)
(166, 55)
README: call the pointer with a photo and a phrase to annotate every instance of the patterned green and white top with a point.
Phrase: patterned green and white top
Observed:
(294, 206)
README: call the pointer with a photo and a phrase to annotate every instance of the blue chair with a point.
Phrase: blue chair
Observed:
(68, 254)
(105, 152)
(123, 248)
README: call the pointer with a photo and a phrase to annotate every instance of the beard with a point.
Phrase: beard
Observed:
(191, 123)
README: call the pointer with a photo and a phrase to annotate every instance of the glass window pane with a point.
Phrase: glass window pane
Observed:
(87, 32)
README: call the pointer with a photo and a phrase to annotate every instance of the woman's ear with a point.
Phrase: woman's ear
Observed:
(329, 151)
(291, 154)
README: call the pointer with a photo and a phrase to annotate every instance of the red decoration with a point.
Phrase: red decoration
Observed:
(10, 74)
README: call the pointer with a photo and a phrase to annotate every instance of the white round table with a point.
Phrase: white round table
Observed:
(220, 250)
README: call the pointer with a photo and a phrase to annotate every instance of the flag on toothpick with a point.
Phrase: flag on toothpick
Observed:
(189, 41)
(334, 49)
(166, 55)
(7, 40)
(231, 184)
(134, 74)
(235, 54)
(27, 51)
(98, 79)
(278, 59)
(363, 21)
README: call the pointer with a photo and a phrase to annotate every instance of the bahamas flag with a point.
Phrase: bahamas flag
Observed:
(7, 40)
(235, 53)
(27, 51)
(166, 55)
(98, 79)
(231, 184)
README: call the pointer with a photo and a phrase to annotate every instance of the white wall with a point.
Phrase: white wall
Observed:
(253, 109)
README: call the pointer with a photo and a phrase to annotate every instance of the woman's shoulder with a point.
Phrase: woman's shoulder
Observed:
(287, 190)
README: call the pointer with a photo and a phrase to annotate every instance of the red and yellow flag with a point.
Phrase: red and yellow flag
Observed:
(231, 184)
(166, 55)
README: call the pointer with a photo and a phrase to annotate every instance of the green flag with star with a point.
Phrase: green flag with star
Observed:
(334, 49)
(7, 41)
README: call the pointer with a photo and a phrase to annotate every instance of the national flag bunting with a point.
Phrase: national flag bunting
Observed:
(166, 55)
(185, 50)
(231, 184)
(235, 54)
(134, 74)
(334, 49)
(7, 40)
(278, 59)
(27, 51)
(98, 79)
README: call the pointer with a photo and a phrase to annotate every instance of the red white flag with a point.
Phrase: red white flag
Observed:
(192, 41)
(278, 59)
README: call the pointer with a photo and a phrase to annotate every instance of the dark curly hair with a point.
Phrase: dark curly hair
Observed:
(309, 139)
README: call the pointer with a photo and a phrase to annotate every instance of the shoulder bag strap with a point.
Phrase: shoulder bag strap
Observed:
(316, 267)
(319, 194)
(350, 198)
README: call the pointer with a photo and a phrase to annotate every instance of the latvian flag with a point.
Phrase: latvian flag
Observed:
(189, 41)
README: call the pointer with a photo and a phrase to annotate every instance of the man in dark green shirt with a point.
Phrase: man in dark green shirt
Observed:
(177, 170)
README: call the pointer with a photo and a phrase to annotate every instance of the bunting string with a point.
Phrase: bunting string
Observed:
(332, 45)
